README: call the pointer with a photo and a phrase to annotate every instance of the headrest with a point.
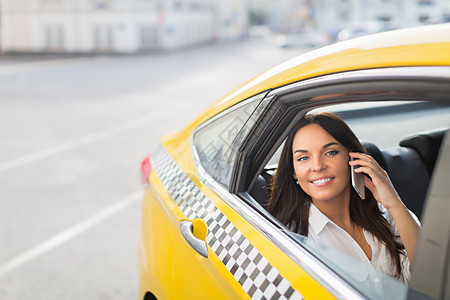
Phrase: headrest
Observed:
(426, 143)
(375, 152)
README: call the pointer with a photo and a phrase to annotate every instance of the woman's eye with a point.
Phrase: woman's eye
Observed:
(332, 152)
(303, 158)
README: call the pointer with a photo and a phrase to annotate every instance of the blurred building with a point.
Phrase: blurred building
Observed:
(117, 26)
(134, 26)
(333, 15)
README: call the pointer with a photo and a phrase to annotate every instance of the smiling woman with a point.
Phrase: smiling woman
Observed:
(321, 204)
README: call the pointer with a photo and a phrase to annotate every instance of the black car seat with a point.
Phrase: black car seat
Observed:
(407, 172)
(409, 176)
(427, 144)
(376, 153)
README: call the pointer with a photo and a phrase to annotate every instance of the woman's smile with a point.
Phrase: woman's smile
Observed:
(322, 181)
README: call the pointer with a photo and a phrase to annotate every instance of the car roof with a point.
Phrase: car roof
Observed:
(419, 46)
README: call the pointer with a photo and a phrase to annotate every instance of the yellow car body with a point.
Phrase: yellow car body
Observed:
(169, 268)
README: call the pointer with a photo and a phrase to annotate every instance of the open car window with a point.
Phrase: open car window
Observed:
(405, 138)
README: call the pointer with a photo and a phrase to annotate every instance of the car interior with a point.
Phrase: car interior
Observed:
(409, 165)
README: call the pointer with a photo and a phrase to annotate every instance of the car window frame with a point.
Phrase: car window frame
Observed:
(410, 78)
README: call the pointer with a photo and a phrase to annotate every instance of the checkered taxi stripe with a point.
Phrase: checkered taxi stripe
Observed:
(253, 271)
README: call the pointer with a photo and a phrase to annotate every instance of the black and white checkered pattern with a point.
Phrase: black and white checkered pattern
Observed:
(253, 271)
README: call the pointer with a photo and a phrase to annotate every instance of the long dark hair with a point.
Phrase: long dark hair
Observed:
(290, 204)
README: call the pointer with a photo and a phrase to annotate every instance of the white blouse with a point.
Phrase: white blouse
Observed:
(324, 234)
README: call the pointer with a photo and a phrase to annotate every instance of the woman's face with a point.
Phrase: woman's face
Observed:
(321, 164)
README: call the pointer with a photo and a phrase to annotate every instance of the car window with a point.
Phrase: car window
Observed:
(392, 128)
(217, 141)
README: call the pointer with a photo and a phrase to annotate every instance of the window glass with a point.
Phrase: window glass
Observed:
(149, 38)
(54, 37)
(372, 283)
(217, 141)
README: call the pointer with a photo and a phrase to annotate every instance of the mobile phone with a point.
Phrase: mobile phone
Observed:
(358, 182)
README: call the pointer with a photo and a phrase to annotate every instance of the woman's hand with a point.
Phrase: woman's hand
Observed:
(379, 183)
(384, 192)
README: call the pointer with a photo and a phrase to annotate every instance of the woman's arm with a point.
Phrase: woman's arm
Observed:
(407, 228)
(385, 193)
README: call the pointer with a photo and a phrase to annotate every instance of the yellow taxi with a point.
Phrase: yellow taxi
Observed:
(206, 232)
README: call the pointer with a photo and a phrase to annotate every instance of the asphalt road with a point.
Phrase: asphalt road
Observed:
(73, 132)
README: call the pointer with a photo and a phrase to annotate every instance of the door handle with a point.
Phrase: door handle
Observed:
(187, 230)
